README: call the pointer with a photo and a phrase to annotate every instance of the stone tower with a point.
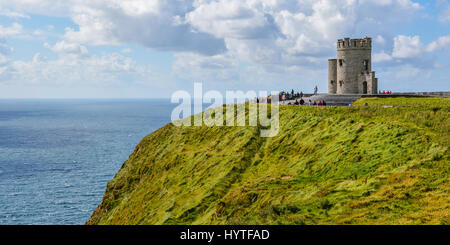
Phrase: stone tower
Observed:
(351, 72)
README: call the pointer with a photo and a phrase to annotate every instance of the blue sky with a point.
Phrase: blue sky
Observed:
(151, 48)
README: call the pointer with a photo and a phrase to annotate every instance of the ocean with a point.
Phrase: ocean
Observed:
(56, 156)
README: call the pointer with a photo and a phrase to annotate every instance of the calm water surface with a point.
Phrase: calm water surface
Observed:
(56, 156)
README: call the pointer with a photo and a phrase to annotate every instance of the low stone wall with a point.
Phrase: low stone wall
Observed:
(345, 100)
(413, 94)
(433, 94)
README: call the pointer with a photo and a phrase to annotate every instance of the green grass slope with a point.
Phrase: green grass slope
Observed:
(384, 161)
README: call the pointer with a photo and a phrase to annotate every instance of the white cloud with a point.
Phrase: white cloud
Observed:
(94, 70)
(401, 3)
(381, 57)
(294, 33)
(217, 62)
(288, 27)
(38, 32)
(3, 59)
(67, 48)
(407, 47)
(232, 19)
(42, 7)
(445, 15)
(440, 44)
(12, 14)
(379, 39)
(407, 72)
(111, 22)
(13, 30)
(444, 6)
(219, 67)
(281, 36)
(5, 50)
(410, 52)
(147, 23)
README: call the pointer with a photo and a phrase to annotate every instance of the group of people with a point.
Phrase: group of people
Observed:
(293, 95)
(283, 96)
(386, 92)
(310, 103)
(297, 96)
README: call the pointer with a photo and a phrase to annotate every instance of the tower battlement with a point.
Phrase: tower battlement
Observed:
(347, 43)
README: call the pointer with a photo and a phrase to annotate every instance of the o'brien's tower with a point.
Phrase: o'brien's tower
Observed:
(351, 72)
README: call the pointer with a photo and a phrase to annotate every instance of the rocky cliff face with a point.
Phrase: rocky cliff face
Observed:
(369, 164)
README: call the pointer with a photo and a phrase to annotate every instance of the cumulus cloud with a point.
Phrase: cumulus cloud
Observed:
(407, 47)
(110, 22)
(192, 66)
(407, 72)
(290, 33)
(232, 19)
(280, 36)
(3, 59)
(5, 51)
(66, 70)
(290, 28)
(412, 47)
(410, 54)
(13, 30)
(67, 48)
(444, 6)
(380, 39)
(42, 7)
(148, 23)
(442, 43)
(12, 14)
(381, 57)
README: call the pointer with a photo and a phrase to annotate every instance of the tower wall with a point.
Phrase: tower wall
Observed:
(354, 58)
(332, 76)
(375, 86)
(368, 83)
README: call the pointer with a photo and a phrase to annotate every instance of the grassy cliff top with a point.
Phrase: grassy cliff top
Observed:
(384, 161)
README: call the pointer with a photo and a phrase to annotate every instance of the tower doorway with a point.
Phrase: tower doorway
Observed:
(364, 87)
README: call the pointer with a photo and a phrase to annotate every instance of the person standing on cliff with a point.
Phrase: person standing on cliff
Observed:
(315, 90)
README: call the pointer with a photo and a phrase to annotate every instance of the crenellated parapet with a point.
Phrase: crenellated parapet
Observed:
(347, 43)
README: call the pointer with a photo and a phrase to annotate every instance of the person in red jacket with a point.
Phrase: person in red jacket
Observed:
(320, 103)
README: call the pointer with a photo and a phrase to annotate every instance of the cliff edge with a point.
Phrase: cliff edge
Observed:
(383, 161)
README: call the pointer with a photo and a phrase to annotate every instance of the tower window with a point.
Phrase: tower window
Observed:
(332, 82)
(341, 83)
(341, 62)
(366, 65)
